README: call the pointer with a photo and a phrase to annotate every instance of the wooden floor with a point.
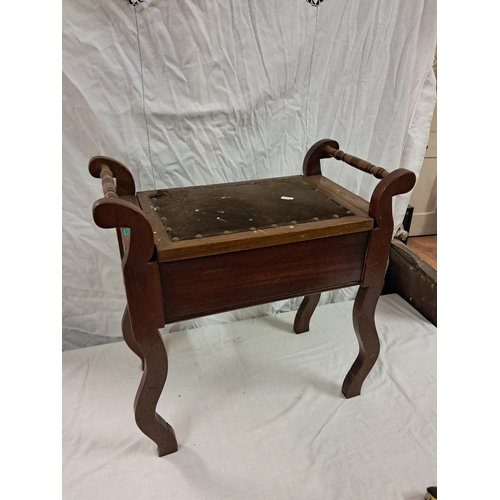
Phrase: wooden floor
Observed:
(425, 247)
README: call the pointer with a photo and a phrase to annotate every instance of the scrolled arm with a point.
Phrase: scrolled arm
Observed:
(103, 166)
(399, 181)
(115, 213)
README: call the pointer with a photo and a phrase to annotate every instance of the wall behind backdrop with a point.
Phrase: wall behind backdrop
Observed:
(190, 92)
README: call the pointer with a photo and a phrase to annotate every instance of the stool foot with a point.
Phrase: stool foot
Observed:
(128, 336)
(363, 315)
(148, 394)
(304, 313)
(167, 444)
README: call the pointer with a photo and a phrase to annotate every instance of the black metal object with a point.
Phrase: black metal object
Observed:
(407, 218)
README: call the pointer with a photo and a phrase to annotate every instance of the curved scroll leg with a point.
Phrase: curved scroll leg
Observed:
(144, 313)
(128, 336)
(304, 313)
(148, 394)
(377, 254)
(363, 316)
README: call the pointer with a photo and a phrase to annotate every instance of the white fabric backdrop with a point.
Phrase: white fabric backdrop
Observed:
(233, 90)
(259, 414)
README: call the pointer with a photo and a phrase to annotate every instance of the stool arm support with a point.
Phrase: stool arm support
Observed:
(125, 184)
(399, 181)
(116, 213)
(311, 164)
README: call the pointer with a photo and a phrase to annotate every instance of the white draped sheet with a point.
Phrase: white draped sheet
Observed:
(259, 414)
(223, 91)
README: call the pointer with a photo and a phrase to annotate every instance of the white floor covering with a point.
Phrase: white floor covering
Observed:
(259, 414)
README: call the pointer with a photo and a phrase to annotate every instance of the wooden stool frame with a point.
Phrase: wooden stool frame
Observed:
(301, 260)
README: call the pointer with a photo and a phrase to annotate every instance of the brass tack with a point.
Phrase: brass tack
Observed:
(175, 238)
(335, 216)
(169, 229)
(349, 212)
(274, 225)
(164, 219)
(227, 232)
(293, 222)
(198, 236)
(253, 229)
(315, 219)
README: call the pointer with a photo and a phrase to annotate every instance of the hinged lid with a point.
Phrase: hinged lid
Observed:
(205, 220)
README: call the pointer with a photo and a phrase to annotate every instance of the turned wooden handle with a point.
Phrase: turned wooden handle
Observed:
(108, 185)
(363, 165)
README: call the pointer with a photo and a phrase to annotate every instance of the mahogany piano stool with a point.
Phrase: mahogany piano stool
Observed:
(196, 251)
